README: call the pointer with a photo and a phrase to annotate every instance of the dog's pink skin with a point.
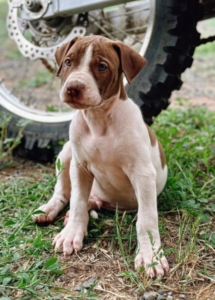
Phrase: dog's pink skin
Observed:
(112, 159)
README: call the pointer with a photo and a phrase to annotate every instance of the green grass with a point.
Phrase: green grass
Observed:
(3, 13)
(189, 145)
(30, 268)
(205, 49)
(25, 248)
(40, 78)
(7, 45)
(8, 145)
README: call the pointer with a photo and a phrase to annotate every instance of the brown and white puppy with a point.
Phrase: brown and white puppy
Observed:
(113, 160)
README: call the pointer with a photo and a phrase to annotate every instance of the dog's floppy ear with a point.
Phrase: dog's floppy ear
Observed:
(131, 61)
(61, 52)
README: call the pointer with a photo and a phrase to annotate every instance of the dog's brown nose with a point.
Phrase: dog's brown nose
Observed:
(74, 88)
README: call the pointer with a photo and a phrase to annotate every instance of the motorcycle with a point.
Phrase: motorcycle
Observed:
(163, 31)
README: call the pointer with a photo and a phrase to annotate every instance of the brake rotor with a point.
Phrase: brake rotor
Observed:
(45, 36)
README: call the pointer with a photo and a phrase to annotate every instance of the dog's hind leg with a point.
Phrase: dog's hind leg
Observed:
(62, 189)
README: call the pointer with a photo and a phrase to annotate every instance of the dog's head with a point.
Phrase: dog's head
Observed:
(91, 70)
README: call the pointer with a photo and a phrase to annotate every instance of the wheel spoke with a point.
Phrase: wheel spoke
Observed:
(105, 20)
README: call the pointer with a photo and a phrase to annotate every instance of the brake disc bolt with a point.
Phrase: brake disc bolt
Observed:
(54, 37)
(33, 5)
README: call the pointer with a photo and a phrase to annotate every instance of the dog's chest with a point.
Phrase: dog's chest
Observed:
(94, 147)
(96, 150)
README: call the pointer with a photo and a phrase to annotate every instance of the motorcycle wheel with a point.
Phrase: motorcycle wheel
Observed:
(168, 47)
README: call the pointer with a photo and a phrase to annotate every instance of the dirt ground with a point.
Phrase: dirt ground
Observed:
(198, 87)
(199, 81)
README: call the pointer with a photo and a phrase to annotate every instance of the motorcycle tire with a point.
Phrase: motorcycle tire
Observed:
(169, 53)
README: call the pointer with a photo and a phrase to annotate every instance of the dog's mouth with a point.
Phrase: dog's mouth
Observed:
(76, 104)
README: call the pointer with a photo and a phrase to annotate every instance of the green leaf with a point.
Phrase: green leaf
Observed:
(16, 256)
(205, 218)
(9, 223)
(212, 206)
(8, 140)
(6, 280)
(22, 283)
(54, 267)
(208, 237)
(50, 262)
(153, 264)
(32, 197)
(58, 164)
(202, 200)
(25, 280)
(24, 122)
(38, 212)
(38, 241)
(38, 264)
(4, 270)
(11, 237)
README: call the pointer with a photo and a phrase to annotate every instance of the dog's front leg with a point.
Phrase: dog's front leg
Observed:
(150, 254)
(71, 237)
(61, 194)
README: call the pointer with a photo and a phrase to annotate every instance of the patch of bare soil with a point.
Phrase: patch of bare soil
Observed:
(198, 87)
(99, 261)
(199, 81)
(29, 80)
(24, 169)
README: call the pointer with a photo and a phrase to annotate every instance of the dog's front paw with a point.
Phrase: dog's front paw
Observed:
(70, 239)
(51, 209)
(50, 212)
(154, 266)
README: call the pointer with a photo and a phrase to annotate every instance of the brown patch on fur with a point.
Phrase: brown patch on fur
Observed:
(61, 53)
(123, 94)
(109, 81)
(153, 140)
(152, 136)
(75, 53)
(131, 61)
(162, 155)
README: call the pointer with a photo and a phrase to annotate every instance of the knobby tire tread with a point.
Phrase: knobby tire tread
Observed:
(169, 54)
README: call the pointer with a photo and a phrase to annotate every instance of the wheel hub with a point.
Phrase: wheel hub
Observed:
(33, 5)
(45, 36)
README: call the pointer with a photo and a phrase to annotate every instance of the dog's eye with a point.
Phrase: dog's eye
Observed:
(102, 67)
(68, 62)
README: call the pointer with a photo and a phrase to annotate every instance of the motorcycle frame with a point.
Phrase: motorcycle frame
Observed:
(55, 8)
(63, 8)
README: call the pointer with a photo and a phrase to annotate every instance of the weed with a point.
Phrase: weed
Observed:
(189, 146)
(7, 145)
(51, 108)
(205, 49)
(3, 30)
(40, 78)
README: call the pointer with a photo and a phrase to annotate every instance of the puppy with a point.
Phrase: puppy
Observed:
(113, 159)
